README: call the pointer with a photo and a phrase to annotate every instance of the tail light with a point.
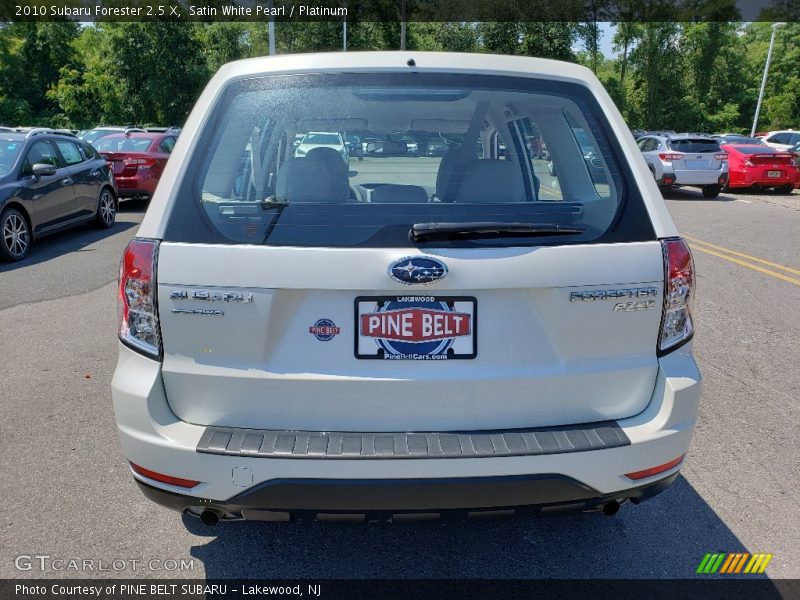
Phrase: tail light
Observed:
(138, 318)
(670, 156)
(676, 324)
(138, 162)
(721, 156)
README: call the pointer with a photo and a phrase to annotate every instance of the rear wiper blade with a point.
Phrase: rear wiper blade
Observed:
(488, 229)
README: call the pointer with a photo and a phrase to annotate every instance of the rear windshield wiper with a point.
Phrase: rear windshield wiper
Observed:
(487, 229)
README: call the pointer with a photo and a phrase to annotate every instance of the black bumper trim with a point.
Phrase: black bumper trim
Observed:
(260, 443)
(313, 496)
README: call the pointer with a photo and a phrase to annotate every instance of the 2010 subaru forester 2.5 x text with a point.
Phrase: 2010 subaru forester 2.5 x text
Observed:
(300, 336)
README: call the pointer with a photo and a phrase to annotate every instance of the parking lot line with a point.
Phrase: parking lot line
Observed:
(775, 274)
(743, 255)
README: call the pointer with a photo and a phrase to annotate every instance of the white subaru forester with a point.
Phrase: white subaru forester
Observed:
(445, 334)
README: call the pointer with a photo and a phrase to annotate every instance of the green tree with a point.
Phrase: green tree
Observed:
(32, 56)
(658, 64)
(160, 67)
(443, 36)
(224, 42)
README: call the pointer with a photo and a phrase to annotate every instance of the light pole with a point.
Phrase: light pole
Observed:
(271, 30)
(764, 79)
(402, 24)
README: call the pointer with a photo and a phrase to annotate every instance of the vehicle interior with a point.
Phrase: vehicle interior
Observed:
(488, 161)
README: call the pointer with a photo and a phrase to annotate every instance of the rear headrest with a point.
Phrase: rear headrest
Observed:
(399, 194)
(328, 156)
(319, 177)
(453, 167)
(489, 181)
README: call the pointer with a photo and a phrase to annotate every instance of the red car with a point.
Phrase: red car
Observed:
(751, 166)
(137, 160)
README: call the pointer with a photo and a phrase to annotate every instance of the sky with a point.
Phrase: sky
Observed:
(606, 37)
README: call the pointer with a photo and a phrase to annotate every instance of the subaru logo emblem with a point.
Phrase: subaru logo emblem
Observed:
(417, 269)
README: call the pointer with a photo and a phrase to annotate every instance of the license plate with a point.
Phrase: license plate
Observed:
(774, 173)
(416, 327)
(696, 164)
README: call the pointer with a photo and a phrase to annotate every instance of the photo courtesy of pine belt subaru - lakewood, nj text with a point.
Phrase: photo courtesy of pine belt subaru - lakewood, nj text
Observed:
(405, 334)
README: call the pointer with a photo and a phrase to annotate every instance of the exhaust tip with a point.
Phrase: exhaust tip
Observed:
(209, 517)
(610, 508)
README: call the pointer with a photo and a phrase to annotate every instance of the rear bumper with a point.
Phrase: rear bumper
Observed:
(130, 187)
(667, 180)
(134, 193)
(760, 179)
(284, 499)
(154, 438)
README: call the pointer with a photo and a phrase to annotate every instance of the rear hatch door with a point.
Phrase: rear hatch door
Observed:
(272, 337)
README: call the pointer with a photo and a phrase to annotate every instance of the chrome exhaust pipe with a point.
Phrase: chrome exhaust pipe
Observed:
(209, 517)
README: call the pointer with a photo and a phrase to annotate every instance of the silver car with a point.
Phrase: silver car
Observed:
(681, 159)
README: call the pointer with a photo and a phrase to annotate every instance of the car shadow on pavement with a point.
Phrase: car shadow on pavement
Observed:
(64, 242)
(665, 537)
(133, 206)
(694, 195)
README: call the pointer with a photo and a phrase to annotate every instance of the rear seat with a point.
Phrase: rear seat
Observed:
(492, 181)
(399, 194)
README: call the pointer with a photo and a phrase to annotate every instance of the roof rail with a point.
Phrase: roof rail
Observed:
(37, 131)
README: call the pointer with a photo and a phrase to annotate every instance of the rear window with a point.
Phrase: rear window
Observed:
(754, 150)
(740, 139)
(330, 139)
(94, 134)
(435, 148)
(697, 146)
(123, 144)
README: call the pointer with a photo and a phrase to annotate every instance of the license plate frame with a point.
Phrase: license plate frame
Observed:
(424, 309)
(774, 174)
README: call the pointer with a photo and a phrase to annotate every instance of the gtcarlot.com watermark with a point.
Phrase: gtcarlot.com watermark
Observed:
(45, 563)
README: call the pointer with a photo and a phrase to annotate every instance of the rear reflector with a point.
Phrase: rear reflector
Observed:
(655, 470)
(176, 481)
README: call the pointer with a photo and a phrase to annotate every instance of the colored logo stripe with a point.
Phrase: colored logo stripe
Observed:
(758, 563)
(733, 562)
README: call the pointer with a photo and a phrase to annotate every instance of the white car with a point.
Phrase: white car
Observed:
(321, 139)
(686, 159)
(782, 140)
(405, 341)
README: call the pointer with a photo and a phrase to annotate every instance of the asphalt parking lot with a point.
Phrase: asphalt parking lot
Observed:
(68, 493)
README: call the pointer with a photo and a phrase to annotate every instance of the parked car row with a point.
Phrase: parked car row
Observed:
(50, 181)
(137, 158)
(723, 161)
(53, 179)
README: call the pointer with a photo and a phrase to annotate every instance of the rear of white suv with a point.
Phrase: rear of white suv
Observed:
(408, 335)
